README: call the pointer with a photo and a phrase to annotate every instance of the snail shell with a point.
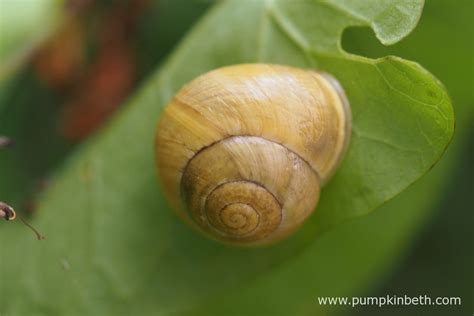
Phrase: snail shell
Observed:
(242, 151)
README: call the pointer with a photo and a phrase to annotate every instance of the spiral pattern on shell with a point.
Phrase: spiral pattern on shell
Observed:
(242, 151)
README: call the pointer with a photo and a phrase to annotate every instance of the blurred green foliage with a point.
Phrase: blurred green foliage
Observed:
(24, 24)
(440, 264)
(110, 255)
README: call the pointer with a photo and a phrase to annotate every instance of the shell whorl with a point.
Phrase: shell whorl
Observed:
(243, 150)
(250, 180)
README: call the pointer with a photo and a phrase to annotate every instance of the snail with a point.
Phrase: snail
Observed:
(243, 151)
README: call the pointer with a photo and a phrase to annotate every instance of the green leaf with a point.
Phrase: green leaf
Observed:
(442, 22)
(23, 25)
(30, 119)
(113, 245)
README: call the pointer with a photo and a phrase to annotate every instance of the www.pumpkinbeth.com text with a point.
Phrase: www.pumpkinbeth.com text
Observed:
(389, 300)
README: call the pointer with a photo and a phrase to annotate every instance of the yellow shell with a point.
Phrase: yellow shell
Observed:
(242, 151)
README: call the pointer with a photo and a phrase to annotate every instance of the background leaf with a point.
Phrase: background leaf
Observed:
(33, 119)
(23, 25)
(113, 243)
(444, 195)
